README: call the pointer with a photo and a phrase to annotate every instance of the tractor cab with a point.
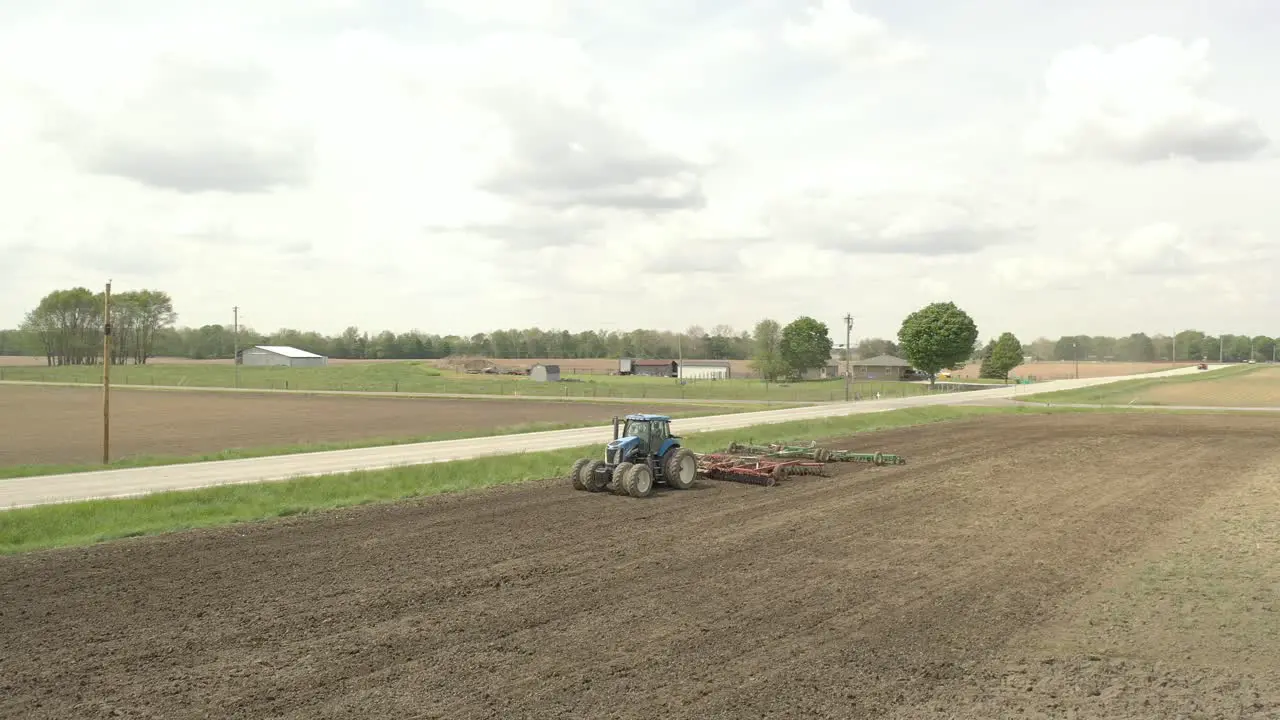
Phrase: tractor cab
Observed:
(640, 437)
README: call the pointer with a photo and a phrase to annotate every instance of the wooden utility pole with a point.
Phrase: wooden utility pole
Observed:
(235, 342)
(106, 375)
(848, 356)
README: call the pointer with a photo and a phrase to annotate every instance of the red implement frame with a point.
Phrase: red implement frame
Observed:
(754, 470)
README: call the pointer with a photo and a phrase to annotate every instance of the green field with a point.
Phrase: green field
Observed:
(419, 377)
(93, 521)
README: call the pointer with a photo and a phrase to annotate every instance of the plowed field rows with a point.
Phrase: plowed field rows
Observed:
(1045, 566)
(51, 424)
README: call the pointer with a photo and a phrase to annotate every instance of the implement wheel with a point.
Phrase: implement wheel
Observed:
(680, 468)
(576, 473)
(620, 478)
(591, 480)
(639, 481)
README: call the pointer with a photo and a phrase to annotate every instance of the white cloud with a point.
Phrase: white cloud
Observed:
(834, 30)
(459, 166)
(1143, 101)
(919, 223)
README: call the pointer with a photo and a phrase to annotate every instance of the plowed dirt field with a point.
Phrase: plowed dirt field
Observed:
(52, 424)
(1082, 566)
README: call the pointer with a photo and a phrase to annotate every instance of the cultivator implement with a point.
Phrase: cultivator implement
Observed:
(754, 470)
(811, 451)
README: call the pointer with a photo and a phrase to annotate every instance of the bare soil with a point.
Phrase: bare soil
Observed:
(1005, 572)
(55, 425)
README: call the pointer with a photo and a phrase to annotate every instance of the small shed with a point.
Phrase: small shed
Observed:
(544, 373)
(704, 370)
(881, 367)
(280, 355)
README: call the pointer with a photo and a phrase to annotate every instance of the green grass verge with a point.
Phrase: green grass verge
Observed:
(84, 523)
(419, 377)
(1123, 392)
(15, 471)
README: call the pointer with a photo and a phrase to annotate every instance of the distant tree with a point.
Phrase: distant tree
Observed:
(766, 355)
(1004, 355)
(873, 347)
(937, 336)
(1041, 349)
(805, 345)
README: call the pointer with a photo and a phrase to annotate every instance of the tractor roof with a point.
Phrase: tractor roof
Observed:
(647, 417)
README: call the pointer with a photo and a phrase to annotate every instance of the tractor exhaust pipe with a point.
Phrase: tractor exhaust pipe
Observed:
(615, 427)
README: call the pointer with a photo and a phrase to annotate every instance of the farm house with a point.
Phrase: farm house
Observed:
(283, 355)
(544, 373)
(881, 367)
(704, 370)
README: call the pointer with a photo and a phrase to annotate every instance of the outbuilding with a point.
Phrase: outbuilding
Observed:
(544, 373)
(705, 370)
(280, 355)
(651, 368)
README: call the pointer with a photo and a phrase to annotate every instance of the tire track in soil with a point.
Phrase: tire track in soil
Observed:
(827, 597)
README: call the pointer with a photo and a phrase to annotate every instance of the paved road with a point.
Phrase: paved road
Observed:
(24, 492)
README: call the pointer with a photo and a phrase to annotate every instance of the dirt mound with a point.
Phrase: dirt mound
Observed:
(908, 591)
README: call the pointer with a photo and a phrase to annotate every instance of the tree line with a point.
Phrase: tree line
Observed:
(1191, 346)
(66, 328)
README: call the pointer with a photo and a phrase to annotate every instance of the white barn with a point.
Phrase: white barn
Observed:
(264, 355)
(704, 370)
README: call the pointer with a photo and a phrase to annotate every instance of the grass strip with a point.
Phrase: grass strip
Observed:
(85, 523)
(1125, 391)
(137, 461)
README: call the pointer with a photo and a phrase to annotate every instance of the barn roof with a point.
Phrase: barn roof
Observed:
(287, 351)
(651, 363)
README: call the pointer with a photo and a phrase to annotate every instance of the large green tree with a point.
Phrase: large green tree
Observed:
(805, 345)
(766, 353)
(1004, 355)
(937, 336)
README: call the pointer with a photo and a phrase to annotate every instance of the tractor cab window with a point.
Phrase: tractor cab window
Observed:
(641, 429)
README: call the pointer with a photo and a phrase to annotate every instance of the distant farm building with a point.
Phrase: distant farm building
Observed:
(282, 355)
(704, 370)
(651, 368)
(827, 372)
(881, 367)
(544, 373)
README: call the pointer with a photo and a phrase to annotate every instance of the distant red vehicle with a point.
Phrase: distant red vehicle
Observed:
(1202, 366)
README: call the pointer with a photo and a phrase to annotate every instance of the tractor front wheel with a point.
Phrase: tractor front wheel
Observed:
(576, 473)
(639, 481)
(620, 478)
(680, 468)
(591, 479)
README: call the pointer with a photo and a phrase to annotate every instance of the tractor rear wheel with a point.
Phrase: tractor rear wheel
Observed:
(639, 481)
(680, 468)
(620, 478)
(576, 473)
(591, 479)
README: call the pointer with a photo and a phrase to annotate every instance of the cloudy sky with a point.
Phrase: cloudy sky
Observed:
(462, 165)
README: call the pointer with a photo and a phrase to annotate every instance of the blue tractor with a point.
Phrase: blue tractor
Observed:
(642, 454)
